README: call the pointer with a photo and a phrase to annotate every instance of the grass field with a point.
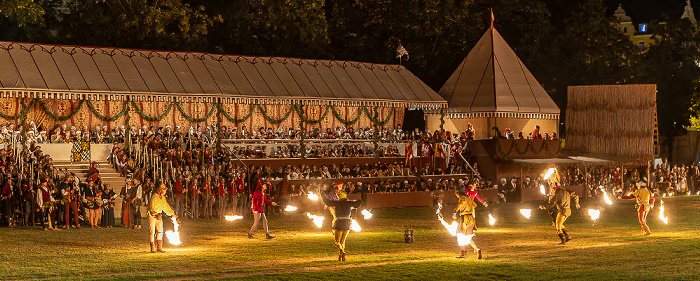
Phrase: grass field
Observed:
(514, 249)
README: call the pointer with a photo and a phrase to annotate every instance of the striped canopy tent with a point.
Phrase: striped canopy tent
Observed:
(492, 87)
(41, 81)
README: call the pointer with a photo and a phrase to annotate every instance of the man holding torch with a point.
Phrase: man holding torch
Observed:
(156, 207)
(562, 201)
(645, 201)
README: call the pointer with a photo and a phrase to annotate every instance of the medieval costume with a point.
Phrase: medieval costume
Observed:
(156, 207)
(108, 196)
(645, 201)
(45, 201)
(70, 201)
(341, 226)
(126, 204)
(464, 213)
(562, 200)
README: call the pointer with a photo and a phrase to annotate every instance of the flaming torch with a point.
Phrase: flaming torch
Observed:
(290, 208)
(233, 218)
(549, 173)
(605, 196)
(312, 196)
(542, 190)
(451, 228)
(594, 213)
(527, 213)
(174, 236)
(318, 220)
(492, 220)
(662, 216)
(367, 214)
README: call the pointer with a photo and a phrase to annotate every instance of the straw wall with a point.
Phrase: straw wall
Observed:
(612, 119)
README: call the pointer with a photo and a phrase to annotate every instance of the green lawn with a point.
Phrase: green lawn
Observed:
(515, 248)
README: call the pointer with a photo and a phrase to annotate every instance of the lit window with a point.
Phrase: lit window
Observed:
(643, 28)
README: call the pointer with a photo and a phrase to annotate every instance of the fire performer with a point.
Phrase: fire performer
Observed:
(156, 207)
(259, 199)
(645, 201)
(464, 214)
(562, 201)
(342, 223)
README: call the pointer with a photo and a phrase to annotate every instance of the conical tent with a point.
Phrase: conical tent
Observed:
(492, 79)
(493, 88)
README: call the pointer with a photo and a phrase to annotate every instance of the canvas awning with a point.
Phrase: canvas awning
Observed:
(52, 71)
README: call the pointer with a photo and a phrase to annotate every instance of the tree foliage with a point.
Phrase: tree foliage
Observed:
(562, 43)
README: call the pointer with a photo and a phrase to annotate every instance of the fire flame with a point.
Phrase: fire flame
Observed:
(367, 214)
(549, 173)
(464, 240)
(527, 213)
(605, 196)
(594, 213)
(662, 216)
(318, 220)
(492, 220)
(290, 208)
(355, 226)
(174, 236)
(233, 218)
(542, 190)
(313, 196)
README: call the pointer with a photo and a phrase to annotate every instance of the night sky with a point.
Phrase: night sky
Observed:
(644, 11)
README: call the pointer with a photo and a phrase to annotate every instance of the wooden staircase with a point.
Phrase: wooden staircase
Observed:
(107, 172)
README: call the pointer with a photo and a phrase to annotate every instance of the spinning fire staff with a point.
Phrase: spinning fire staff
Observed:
(156, 207)
(343, 222)
(645, 202)
(562, 200)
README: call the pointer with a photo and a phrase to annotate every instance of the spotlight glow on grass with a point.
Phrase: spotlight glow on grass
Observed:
(527, 213)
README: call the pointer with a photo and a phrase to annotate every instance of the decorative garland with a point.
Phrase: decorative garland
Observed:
(374, 118)
(196, 120)
(300, 112)
(346, 122)
(530, 146)
(21, 113)
(59, 118)
(272, 120)
(153, 119)
(105, 118)
(234, 120)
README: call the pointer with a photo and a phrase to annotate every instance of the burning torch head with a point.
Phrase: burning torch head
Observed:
(552, 177)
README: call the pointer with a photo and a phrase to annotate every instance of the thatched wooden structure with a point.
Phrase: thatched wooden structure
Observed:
(612, 120)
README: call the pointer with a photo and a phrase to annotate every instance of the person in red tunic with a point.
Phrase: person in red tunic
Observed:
(259, 200)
